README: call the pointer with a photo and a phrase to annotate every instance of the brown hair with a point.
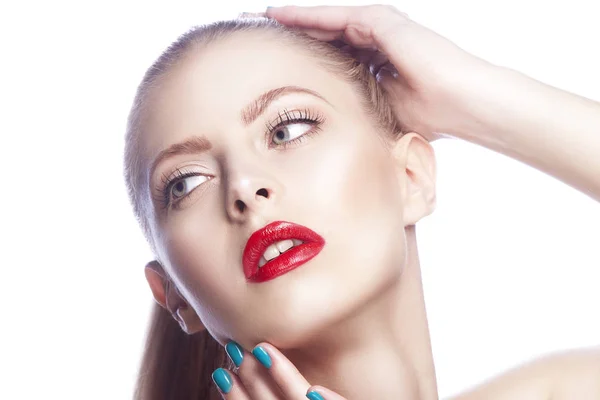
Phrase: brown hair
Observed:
(176, 365)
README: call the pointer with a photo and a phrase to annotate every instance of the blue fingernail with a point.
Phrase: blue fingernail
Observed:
(235, 352)
(262, 356)
(312, 395)
(222, 380)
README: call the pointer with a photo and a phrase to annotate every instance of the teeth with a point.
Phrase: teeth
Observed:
(261, 262)
(271, 252)
(284, 245)
(276, 249)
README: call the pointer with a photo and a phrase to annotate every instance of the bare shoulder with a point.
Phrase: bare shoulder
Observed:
(569, 375)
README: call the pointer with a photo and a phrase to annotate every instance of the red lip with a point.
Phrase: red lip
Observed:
(293, 258)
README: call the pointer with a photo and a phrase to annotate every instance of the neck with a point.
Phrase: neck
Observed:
(383, 351)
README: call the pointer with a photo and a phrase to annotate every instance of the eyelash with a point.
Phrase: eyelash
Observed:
(284, 118)
(168, 182)
(295, 117)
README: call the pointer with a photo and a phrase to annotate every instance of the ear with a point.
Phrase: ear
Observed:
(167, 296)
(415, 161)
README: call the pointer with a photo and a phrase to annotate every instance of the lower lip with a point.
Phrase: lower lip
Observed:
(291, 259)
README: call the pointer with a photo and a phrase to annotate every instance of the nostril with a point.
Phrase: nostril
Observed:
(240, 205)
(263, 192)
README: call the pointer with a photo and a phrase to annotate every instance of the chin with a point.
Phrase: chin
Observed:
(294, 309)
(311, 304)
(297, 331)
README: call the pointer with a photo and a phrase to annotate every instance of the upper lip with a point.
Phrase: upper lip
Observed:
(269, 234)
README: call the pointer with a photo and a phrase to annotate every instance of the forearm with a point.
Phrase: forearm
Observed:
(547, 128)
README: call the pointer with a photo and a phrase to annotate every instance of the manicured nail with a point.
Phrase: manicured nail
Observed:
(312, 395)
(262, 356)
(235, 352)
(222, 380)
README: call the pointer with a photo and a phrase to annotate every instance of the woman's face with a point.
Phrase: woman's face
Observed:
(333, 176)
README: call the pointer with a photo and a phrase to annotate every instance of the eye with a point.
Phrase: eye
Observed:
(293, 127)
(183, 186)
(289, 132)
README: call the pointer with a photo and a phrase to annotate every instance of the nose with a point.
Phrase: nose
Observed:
(249, 196)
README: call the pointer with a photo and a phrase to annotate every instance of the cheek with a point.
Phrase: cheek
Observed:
(351, 187)
(370, 208)
(350, 180)
(343, 188)
(199, 261)
(348, 194)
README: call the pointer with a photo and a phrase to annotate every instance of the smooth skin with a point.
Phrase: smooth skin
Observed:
(425, 95)
(437, 90)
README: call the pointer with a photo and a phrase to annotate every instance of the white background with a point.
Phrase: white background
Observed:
(510, 259)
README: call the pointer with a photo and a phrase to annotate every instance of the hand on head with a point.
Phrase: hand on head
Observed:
(422, 72)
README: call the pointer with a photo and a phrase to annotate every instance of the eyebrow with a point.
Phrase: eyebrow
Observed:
(249, 114)
(255, 109)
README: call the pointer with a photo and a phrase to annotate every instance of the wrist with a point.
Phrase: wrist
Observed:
(486, 99)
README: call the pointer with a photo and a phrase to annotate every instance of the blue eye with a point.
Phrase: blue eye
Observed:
(289, 132)
(177, 186)
(292, 127)
(182, 187)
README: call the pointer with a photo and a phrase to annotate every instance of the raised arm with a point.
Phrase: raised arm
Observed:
(437, 88)
(547, 128)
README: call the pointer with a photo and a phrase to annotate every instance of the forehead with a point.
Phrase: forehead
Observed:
(205, 92)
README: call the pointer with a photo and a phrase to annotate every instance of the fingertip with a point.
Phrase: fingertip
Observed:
(270, 10)
(261, 353)
(265, 345)
(322, 393)
(223, 380)
(268, 347)
(282, 11)
(235, 352)
(313, 395)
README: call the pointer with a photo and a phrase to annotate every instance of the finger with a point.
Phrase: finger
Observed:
(377, 62)
(389, 77)
(375, 26)
(229, 385)
(331, 18)
(322, 393)
(363, 55)
(321, 17)
(255, 379)
(373, 59)
(317, 20)
(290, 381)
(322, 34)
(334, 37)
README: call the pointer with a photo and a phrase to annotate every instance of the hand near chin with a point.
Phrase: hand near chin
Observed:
(425, 74)
(265, 374)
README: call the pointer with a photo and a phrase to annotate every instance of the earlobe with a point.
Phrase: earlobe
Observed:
(188, 320)
(168, 297)
(415, 159)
